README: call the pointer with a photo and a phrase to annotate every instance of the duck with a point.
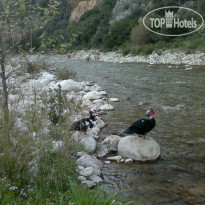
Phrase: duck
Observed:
(86, 123)
(142, 126)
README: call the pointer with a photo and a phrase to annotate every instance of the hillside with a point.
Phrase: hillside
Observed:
(110, 25)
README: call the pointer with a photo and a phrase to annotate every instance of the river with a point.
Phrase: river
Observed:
(178, 97)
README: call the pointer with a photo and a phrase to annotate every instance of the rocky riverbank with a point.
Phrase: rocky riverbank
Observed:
(164, 58)
(97, 147)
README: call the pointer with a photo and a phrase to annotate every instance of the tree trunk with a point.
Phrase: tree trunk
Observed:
(5, 91)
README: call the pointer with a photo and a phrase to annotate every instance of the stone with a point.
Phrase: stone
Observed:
(90, 161)
(138, 148)
(57, 145)
(114, 100)
(89, 144)
(107, 162)
(88, 183)
(128, 161)
(122, 160)
(112, 142)
(81, 178)
(86, 172)
(93, 95)
(80, 168)
(115, 158)
(87, 89)
(103, 92)
(94, 178)
(100, 123)
(102, 151)
(46, 78)
(78, 136)
(106, 107)
(80, 154)
(96, 88)
(69, 85)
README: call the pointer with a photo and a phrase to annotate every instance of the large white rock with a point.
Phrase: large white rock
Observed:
(90, 161)
(89, 144)
(106, 107)
(46, 78)
(111, 142)
(138, 148)
(69, 85)
(93, 95)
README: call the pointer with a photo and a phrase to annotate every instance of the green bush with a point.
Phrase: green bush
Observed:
(64, 74)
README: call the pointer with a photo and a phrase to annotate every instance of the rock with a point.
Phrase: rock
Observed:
(96, 88)
(94, 178)
(102, 151)
(78, 136)
(107, 162)
(88, 183)
(89, 144)
(87, 89)
(90, 83)
(95, 130)
(115, 158)
(93, 95)
(46, 78)
(81, 178)
(98, 102)
(138, 148)
(114, 100)
(128, 161)
(103, 92)
(57, 145)
(106, 107)
(122, 160)
(86, 172)
(80, 168)
(90, 161)
(80, 154)
(100, 123)
(69, 85)
(112, 142)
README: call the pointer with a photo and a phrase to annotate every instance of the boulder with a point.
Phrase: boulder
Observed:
(69, 85)
(100, 123)
(138, 148)
(78, 136)
(96, 88)
(46, 78)
(90, 161)
(89, 144)
(111, 142)
(102, 151)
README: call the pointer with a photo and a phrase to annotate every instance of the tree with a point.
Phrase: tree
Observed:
(18, 20)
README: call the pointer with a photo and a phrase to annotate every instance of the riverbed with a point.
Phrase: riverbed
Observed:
(177, 94)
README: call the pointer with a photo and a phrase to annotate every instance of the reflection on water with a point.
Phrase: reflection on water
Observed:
(178, 96)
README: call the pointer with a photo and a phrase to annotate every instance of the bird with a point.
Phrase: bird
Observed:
(142, 126)
(86, 123)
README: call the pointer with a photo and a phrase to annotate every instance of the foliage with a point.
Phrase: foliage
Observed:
(56, 105)
(65, 73)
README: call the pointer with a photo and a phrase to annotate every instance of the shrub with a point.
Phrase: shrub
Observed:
(65, 73)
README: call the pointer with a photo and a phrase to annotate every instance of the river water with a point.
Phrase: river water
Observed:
(178, 97)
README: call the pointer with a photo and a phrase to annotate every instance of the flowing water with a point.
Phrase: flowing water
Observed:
(178, 97)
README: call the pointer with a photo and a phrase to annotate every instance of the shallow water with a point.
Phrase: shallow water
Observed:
(178, 97)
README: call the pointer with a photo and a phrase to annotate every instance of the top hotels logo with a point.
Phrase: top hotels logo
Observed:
(176, 21)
